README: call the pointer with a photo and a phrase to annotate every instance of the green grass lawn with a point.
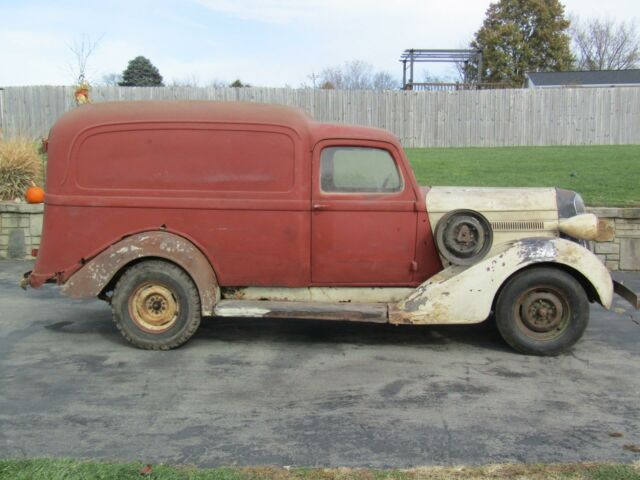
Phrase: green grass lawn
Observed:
(604, 175)
(48, 469)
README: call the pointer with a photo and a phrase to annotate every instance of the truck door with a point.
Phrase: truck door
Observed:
(364, 216)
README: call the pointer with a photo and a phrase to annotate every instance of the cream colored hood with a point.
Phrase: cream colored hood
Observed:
(514, 213)
(485, 200)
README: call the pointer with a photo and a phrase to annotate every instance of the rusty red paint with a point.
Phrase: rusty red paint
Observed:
(94, 276)
(254, 225)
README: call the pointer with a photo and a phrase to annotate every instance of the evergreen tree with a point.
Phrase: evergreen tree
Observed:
(141, 73)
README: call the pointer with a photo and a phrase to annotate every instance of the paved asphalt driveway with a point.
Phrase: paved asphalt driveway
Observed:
(307, 393)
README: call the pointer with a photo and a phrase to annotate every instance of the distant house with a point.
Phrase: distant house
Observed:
(596, 78)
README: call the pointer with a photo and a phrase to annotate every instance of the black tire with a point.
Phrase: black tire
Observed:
(542, 311)
(156, 305)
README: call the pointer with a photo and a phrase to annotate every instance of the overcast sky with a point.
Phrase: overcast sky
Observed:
(263, 42)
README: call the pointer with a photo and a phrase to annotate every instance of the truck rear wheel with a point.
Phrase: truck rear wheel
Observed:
(156, 305)
(542, 311)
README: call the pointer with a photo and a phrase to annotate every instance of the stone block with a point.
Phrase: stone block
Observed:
(23, 222)
(16, 246)
(9, 221)
(631, 213)
(606, 248)
(35, 241)
(606, 230)
(605, 212)
(613, 266)
(4, 240)
(14, 207)
(628, 226)
(36, 224)
(627, 233)
(615, 212)
(630, 254)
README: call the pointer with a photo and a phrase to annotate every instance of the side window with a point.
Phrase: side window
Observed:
(358, 170)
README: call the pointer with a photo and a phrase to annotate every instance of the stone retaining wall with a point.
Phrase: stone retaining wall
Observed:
(618, 246)
(20, 228)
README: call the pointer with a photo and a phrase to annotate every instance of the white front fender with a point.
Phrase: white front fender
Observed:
(461, 294)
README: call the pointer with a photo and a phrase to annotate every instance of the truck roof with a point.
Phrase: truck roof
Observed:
(105, 113)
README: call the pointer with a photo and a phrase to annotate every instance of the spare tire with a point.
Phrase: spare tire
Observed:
(463, 236)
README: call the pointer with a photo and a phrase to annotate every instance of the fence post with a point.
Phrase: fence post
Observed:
(2, 126)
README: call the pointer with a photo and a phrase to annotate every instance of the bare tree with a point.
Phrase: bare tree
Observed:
(384, 81)
(327, 85)
(428, 77)
(111, 79)
(332, 78)
(355, 75)
(605, 44)
(314, 77)
(82, 48)
(187, 81)
(217, 83)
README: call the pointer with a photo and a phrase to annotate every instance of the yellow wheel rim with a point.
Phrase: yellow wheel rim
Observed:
(154, 307)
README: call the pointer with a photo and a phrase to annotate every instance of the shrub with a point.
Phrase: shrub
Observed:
(20, 166)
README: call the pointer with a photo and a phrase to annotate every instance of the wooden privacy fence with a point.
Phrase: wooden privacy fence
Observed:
(562, 116)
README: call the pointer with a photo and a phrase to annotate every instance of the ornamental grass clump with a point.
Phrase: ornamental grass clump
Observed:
(20, 167)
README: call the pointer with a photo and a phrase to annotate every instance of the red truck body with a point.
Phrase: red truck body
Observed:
(239, 181)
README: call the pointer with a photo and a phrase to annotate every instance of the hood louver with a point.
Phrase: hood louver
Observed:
(518, 226)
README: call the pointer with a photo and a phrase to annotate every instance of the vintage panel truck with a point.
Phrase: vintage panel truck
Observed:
(171, 211)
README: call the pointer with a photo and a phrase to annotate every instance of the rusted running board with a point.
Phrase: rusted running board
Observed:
(626, 293)
(353, 312)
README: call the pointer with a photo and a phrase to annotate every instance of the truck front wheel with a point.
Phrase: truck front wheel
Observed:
(542, 311)
(156, 305)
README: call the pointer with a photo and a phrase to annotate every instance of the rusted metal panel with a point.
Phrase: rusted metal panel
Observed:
(353, 312)
(91, 279)
(461, 294)
(318, 294)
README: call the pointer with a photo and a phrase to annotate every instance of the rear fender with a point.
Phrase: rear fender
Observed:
(460, 294)
(96, 274)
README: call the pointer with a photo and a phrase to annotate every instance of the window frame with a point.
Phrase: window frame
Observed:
(398, 166)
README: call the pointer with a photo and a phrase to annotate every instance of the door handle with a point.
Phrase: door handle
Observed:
(320, 206)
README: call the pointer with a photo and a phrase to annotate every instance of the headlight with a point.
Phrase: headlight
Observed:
(569, 203)
(583, 226)
(578, 204)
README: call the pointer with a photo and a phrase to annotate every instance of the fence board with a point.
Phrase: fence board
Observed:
(567, 116)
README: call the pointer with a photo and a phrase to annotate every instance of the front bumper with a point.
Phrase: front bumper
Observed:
(627, 293)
